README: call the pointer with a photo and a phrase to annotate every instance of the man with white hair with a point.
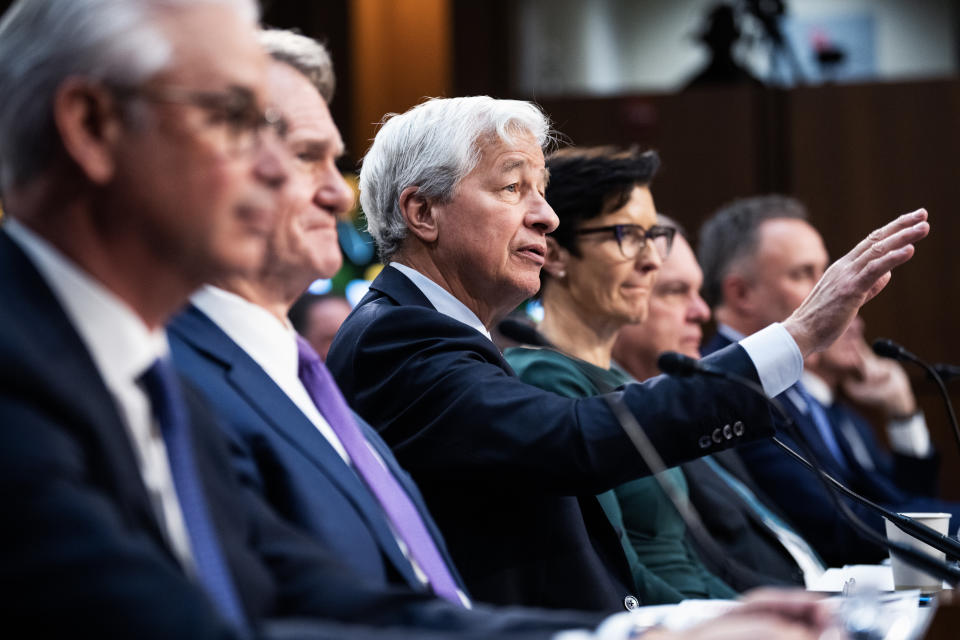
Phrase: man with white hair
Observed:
(453, 193)
(139, 162)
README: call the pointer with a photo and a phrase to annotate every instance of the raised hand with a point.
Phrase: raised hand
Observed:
(853, 280)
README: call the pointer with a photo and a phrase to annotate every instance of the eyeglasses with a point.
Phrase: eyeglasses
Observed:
(632, 238)
(234, 119)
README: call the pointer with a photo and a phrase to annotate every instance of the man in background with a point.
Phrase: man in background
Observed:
(318, 317)
(760, 258)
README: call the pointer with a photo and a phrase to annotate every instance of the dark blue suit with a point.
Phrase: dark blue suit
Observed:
(802, 497)
(501, 463)
(82, 552)
(289, 461)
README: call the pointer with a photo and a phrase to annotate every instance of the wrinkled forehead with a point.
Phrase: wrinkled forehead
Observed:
(519, 150)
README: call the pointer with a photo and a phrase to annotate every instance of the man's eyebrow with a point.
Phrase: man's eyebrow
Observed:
(510, 165)
(319, 147)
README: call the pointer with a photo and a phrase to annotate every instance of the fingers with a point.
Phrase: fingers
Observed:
(904, 222)
(792, 604)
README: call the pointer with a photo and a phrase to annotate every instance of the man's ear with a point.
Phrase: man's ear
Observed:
(555, 262)
(419, 214)
(736, 292)
(89, 121)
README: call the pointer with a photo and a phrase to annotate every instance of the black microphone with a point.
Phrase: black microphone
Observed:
(521, 332)
(681, 366)
(947, 372)
(886, 348)
(673, 363)
(889, 349)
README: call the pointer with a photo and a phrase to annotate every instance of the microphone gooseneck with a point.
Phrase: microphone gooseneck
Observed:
(887, 348)
(947, 372)
(680, 365)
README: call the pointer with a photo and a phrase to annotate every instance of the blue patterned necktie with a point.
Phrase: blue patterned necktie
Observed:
(166, 399)
(822, 422)
(398, 506)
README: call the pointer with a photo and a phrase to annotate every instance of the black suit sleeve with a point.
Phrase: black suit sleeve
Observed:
(441, 395)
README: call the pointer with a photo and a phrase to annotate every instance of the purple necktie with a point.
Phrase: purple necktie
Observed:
(403, 514)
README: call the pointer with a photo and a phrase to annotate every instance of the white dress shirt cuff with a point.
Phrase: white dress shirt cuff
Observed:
(776, 356)
(909, 436)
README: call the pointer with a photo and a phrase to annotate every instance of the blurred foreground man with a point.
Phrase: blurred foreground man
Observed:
(748, 530)
(761, 258)
(453, 193)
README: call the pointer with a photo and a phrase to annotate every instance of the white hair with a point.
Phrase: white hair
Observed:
(433, 146)
(304, 54)
(42, 42)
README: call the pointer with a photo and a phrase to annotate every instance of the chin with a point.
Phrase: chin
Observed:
(327, 268)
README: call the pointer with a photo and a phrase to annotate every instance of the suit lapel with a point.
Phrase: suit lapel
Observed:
(65, 372)
(278, 411)
(393, 284)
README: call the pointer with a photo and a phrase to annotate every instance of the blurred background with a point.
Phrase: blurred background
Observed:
(853, 106)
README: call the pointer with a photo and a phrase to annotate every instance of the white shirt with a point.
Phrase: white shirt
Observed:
(774, 353)
(271, 343)
(444, 301)
(122, 348)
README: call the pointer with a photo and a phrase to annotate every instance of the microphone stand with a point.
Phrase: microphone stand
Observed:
(691, 519)
(890, 349)
(917, 558)
(918, 530)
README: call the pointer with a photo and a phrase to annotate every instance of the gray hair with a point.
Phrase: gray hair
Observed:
(666, 221)
(42, 42)
(304, 54)
(433, 146)
(729, 237)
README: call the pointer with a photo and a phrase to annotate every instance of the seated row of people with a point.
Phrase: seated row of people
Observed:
(163, 172)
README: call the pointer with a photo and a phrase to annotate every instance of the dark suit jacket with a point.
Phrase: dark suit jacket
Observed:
(802, 497)
(500, 462)
(289, 461)
(82, 551)
(737, 528)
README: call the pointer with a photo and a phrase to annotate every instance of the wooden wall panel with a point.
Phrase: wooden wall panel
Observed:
(856, 155)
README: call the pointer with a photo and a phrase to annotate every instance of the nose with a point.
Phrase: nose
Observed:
(649, 257)
(698, 311)
(272, 161)
(333, 193)
(541, 215)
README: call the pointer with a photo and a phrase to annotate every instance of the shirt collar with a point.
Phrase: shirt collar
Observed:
(271, 342)
(730, 333)
(121, 345)
(442, 300)
(817, 387)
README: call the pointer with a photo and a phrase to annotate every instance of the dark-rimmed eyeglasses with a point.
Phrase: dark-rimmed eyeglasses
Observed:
(632, 238)
(233, 115)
